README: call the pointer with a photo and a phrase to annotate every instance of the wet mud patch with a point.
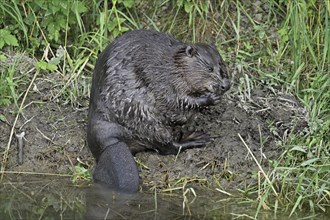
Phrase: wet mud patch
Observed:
(54, 134)
(264, 121)
(54, 139)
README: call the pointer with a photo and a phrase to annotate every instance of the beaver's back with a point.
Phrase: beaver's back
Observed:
(136, 48)
(131, 76)
(128, 58)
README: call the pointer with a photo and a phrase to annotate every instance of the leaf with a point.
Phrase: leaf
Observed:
(60, 52)
(78, 7)
(204, 6)
(124, 29)
(41, 65)
(188, 6)
(112, 25)
(296, 205)
(121, 20)
(40, 3)
(7, 38)
(179, 3)
(55, 61)
(11, 40)
(284, 34)
(51, 67)
(2, 118)
(115, 33)
(128, 3)
(325, 169)
(2, 43)
(298, 148)
(4, 101)
(310, 161)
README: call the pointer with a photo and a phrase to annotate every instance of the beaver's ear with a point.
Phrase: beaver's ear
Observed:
(191, 51)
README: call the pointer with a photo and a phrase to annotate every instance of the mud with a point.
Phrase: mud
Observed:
(264, 122)
(55, 138)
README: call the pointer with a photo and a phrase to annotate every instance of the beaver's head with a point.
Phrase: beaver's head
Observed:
(204, 72)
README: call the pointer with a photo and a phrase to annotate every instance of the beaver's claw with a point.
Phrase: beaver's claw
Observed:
(195, 139)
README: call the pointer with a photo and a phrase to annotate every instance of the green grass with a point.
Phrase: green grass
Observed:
(288, 48)
(302, 67)
(307, 27)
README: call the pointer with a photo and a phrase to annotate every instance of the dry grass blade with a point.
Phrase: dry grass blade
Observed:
(36, 173)
(260, 168)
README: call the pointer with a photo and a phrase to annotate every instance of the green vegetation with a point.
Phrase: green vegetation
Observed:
(284, 45)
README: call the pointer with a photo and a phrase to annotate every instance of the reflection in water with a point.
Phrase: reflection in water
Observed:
(105, 204)
(38, 198)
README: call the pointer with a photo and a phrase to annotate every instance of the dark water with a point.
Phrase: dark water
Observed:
(53, 199)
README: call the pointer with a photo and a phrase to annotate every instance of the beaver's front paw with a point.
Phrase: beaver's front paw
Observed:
(194, 139)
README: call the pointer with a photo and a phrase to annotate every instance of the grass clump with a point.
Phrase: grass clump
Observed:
(298, 62)
(304, 167)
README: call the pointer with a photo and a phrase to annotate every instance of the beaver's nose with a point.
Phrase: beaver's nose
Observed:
(225, 85)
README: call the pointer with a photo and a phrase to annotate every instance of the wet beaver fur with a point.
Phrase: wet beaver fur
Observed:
(147, 84)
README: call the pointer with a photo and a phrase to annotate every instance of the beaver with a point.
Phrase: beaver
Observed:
(145, 86)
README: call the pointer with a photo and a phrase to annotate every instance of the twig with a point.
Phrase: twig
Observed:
(23, 193)
(20, 128)
(260, 168)
(5, 155)
(224, 192)
(241, 215)
(36, 173)
(47, 138)
(20, 145)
